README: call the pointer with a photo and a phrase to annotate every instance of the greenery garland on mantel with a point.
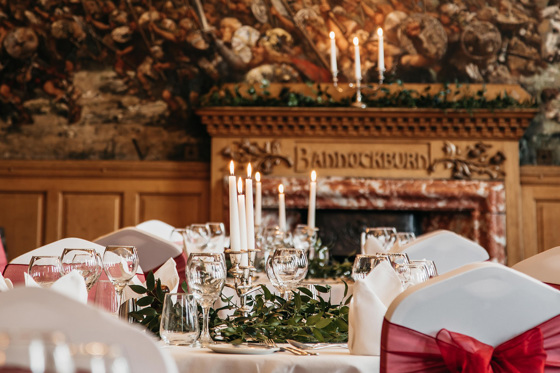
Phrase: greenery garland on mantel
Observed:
(397, 95)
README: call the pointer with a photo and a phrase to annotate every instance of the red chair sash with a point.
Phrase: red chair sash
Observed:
(556, 286)
(406, 350)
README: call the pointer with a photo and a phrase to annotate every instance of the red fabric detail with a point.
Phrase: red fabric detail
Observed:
(556, 286)
(405, 350)
(15, 273)
(3, 259)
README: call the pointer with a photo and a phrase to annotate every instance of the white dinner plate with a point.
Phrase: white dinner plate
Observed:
(226, 348)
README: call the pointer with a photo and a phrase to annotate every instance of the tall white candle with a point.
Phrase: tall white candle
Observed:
(281, 208)
(258, 199)
(357, 65)
(242, 222)
(381, 54)
(312, 198)
(235, 244)
(334, 68)
(249, 212)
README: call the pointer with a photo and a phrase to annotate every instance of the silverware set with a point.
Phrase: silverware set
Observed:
(294, 350)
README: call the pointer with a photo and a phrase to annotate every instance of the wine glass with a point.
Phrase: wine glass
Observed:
(430, 265)
(395, 258)
(384, 237)
(86, 261)
(405, 237)
(217, 237)
(45, 270)
(364, 264)
(206, 276)
(198, 237)
(290, 266)
(120, 264)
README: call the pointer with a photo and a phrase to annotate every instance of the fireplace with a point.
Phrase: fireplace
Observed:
(429, 168)
(346, 205)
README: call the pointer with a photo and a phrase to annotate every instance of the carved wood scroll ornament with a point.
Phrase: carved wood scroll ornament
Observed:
(264, 158)
(474, 160)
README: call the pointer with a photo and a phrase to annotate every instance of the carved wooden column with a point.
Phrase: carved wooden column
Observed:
(372, 143)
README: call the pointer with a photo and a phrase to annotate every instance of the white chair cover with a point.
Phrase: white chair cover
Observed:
(57, 247)
(544, 266)
(447, 249)
(153, 251)
(487, 301)
(45, 310)
(157, 228)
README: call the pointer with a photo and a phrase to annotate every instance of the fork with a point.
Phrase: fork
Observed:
(269, 342)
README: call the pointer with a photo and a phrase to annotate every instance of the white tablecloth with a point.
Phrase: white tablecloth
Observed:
(331, 360)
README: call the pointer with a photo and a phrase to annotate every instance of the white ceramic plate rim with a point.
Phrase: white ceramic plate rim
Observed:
(226, 348)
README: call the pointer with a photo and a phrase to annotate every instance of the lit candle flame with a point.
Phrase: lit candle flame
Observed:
(249, 171)
(380, 31)
(240, 186)
(356, 41)
(281, 189)
(313, 175)
(258, 176)
(231, 168)
(331, 34)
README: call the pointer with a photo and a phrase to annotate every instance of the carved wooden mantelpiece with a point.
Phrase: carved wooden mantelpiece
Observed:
(375, 143)
(371, 122)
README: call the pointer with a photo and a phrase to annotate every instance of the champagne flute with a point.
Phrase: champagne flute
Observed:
(120, 264)
(86, 261)
(45, 270)
(290, 266)
(206, 276)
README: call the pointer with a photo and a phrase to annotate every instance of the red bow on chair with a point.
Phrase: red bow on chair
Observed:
(461, 353)
(406, 350)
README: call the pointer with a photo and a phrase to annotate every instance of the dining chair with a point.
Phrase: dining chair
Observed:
(471, 318)
(153, 251)
(447, 249)
(3, 258)
(44, 310)
(157, 228)
(544, 266)
(16, 267)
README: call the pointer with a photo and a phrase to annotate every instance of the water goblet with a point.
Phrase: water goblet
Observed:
(120, 264)
(290, 266)
(198, 237)
(206, 276)
(412, 273)
(179, 320)
(395, 258)
(86, 261)
(364, 264)
(380, 238)
(45, 270)
(430, 265)
(305, 238)
(217, 237)
(405, 237)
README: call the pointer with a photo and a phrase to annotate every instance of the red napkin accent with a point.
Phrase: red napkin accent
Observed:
(406, 350)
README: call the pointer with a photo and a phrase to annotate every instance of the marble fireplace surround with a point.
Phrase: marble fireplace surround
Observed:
(482, 201)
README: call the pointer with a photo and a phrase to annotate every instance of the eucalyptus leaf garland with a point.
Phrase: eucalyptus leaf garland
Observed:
(304, 317)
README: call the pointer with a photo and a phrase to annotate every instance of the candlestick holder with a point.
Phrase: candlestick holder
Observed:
(381, 76)
(358, 103)
(243, 277)
(335, 78)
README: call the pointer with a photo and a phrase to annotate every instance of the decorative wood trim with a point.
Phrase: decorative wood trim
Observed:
(106, 169)
(540, 175)
(507, 124)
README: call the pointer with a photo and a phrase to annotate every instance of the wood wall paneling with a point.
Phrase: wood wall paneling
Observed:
(90, 215)
(540, 187)
(43, 201)
(22, 216)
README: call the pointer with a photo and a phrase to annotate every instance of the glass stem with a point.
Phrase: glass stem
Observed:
(205, 338)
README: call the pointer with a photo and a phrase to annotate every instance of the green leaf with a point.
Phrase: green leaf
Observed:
(145, 301)
(150, 281)
(323, 323)
(147, 312)
(138, 289)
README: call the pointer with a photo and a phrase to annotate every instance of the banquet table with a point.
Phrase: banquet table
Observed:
(329, 360)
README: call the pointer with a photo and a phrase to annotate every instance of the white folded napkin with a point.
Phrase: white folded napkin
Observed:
(372, 245)
(372, 296)
(5, 284)
(168, 275)
(72, 285)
